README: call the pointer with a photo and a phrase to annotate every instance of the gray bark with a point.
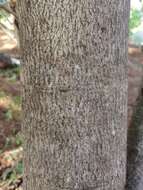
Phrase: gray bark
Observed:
(74, 93)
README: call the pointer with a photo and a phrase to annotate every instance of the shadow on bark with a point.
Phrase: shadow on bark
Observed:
(135, 148)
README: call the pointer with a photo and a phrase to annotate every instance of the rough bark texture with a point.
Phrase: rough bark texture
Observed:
(74, 93)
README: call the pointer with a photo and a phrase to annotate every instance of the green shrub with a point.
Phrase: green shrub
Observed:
(135, 19)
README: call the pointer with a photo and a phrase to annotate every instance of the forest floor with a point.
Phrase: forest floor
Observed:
(11, 166)
(10, 138)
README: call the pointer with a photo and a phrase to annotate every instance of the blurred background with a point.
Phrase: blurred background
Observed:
(11, 166)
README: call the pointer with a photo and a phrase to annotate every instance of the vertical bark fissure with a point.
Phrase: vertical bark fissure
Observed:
(74, 93)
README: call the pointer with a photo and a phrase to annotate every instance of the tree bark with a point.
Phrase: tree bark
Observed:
(74, 79)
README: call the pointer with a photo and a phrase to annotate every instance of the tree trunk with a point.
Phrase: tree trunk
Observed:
(74, 93)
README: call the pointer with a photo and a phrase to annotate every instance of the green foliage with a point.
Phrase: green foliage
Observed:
(8, 114)
(135, 19)
(11, 174)
(2, 94)
(12, 74)
(3, 14)
(19, 168)
(12, 106)
(16, 140)
(19, 139)
(17, 100)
